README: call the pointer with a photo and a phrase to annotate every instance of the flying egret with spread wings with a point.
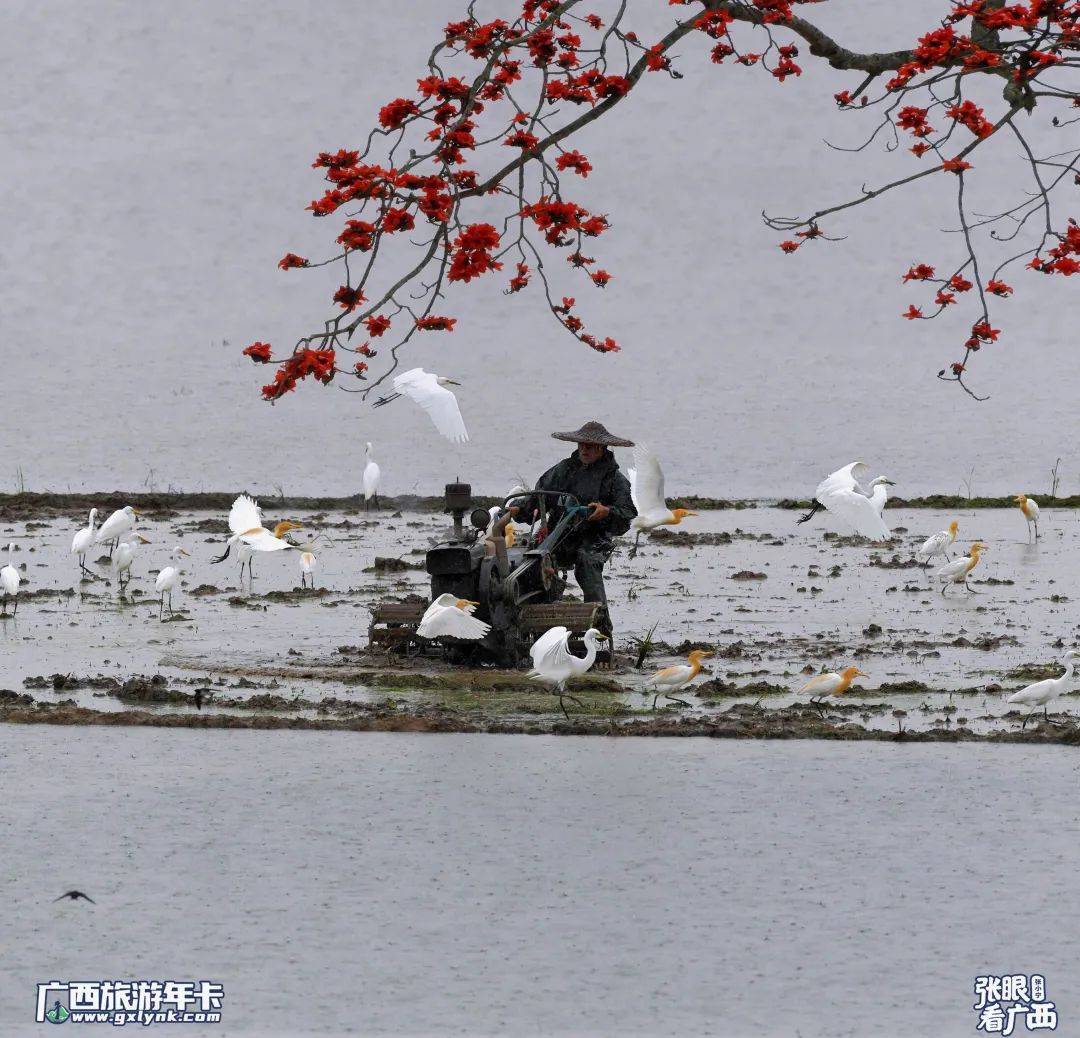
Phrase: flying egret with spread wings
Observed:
(555, 664)
(647, 493)
(859, 505)
(429, 391)
(245, 522)
(451, 617)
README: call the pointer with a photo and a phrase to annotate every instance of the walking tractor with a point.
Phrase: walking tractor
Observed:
(517, 584)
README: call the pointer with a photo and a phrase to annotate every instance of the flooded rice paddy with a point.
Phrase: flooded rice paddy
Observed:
(776, 600)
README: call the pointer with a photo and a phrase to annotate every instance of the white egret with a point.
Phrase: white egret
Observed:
(119, 523)
(938, 544)
(124, 556)
(1041, 693)
(1031, 512)
(555, 664)
(958, 571)
(451, 617)
(244, 556)
(430, 392)
(831, 683)
(245, 522)
(671, 679)
(647, 492)
(10, 580)
(308, 563)
(861, 507)
(168, 579)
(82, 541)
(372, 472)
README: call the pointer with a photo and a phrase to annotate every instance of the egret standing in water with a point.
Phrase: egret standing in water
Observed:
(958, 571)
(124, 556)
(555, 664)
(647, 493)
(119, 523)
(168, 580)
(938, 544)
(671, 679)
(9, 581)
(372, 472)
(451, 617)
(1030, 509)
(1041, 693)
(831, 684)
(861, 507)
(82, 542)
(430, 392)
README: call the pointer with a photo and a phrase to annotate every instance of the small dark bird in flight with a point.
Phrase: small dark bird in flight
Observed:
(75, 895)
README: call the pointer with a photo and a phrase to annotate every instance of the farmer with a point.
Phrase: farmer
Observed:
(592, 475)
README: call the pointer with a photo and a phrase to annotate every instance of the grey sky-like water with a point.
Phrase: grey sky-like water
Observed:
(397, 884)
(157, 164)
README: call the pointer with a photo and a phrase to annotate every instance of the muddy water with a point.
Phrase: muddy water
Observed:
(814, 602)
(476, 884)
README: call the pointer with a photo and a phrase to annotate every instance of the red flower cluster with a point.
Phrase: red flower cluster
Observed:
(557, 219)
(358, 234)
(520, 279)
(436, 324)
(576, 161)
(998, 288)
(349, 298)
(377, 324)
(471, 252)
(1062, 256)
(395, 113)
(942, 48)
(305, 362)
(956, 165)
(521, 139)
(913, 119)
(971, 115)
(290, 260)
(258, 352)
(919, 272)
(980, 333)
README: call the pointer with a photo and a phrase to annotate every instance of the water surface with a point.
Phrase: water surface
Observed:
(374, 884)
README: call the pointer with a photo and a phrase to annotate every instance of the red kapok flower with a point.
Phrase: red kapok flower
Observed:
(998, 288)
(912, 313)
(919, 272)
(956, 165)
(290, 259)
(436, 324)
(376, 325)
(258, 352)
